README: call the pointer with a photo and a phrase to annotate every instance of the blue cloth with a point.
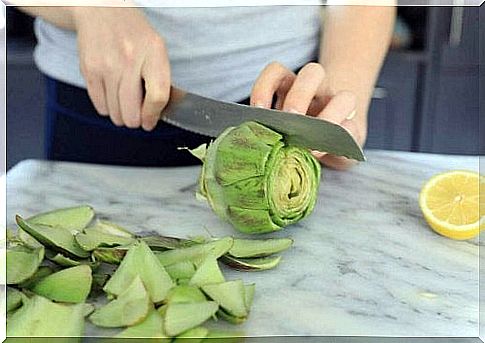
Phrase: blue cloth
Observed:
(75, 132)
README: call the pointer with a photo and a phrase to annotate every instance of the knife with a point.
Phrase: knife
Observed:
(211, 117)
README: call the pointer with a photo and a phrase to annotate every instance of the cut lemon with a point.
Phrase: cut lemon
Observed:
(451, 204)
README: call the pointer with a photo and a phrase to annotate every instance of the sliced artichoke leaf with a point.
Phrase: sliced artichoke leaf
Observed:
(22, 263)
(73, 219)
(141, 261)
(65, 261)
(245, 248)
(88, 309)
(129, 308)
(249, 295)
(181, 270)
(55, 237)
(183, 281)
(61, 259)
(15, 298)
(185, 294)
(99, 280)
(39, 274)
(110, 228)
(150, 327)
(221, 313)
(12, 238)
(207, 272)
(109, 255)
(92, 238)
(40, 317)
(28, 240)
(251, 264)
(196, 252)
(215, 336)
(156, 242)
(195, 335)
(230, 295)
(71, 285)
(180, 317)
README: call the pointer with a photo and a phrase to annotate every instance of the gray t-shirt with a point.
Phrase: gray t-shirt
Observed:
(216, 52)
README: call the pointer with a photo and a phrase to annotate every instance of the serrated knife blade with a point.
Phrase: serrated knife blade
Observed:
(211, 117)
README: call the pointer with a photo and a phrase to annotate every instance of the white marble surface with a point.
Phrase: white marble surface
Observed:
(365, 262)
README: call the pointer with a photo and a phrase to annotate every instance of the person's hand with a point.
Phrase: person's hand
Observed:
(310, 93)
(125, 64)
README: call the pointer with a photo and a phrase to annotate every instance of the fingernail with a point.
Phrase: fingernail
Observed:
(148, 126)
(351, 115)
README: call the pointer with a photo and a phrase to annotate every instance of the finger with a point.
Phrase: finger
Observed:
(130, 98)
(341, 106)
(156, 74)
(273, 76)
(112, 85)
(339, 162)
(304, 88)
(283, 90)
(97, 94)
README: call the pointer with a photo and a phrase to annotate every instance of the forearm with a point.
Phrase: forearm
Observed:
(60, 16)
(355, 40)
(65, 16)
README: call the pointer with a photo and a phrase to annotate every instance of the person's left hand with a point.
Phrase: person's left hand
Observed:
(310, 93)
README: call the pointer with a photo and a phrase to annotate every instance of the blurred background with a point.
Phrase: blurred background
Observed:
(426, 99)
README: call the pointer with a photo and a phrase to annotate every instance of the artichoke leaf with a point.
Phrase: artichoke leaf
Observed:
(245, 248)
(40, 273)
(230, 295)
(71, 285)
(110, 255)
(141, 261)
(251, 264)
(93, 238)
(163, 242)
(15, 298)
(73, 219)
(22, 263)
(56, 237)
(185, 294)
(199, 152)
(181, 270)
(180, 317)
(196, 252)
(195, 335)
(150, 327)
(130, 308)
(62, 260)
(40, 317)
(109, 228)
(208, 272)
(27, 239)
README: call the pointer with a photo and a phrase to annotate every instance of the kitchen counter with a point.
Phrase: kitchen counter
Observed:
(364, 263)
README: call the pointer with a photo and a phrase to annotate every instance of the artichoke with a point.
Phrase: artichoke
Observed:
(254, 180)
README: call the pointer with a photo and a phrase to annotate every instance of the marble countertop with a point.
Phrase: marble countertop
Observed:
(364, 263)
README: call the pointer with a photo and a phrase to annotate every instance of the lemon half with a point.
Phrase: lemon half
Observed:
(451, 204)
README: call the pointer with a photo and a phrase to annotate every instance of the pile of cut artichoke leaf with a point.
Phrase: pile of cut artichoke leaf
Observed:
(60, 262)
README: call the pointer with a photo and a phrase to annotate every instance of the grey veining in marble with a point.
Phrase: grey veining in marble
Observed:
(364, 263)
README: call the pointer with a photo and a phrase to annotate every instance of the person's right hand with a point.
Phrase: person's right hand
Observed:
(125, 64)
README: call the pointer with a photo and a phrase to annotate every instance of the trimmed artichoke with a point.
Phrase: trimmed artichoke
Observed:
(254, 180)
